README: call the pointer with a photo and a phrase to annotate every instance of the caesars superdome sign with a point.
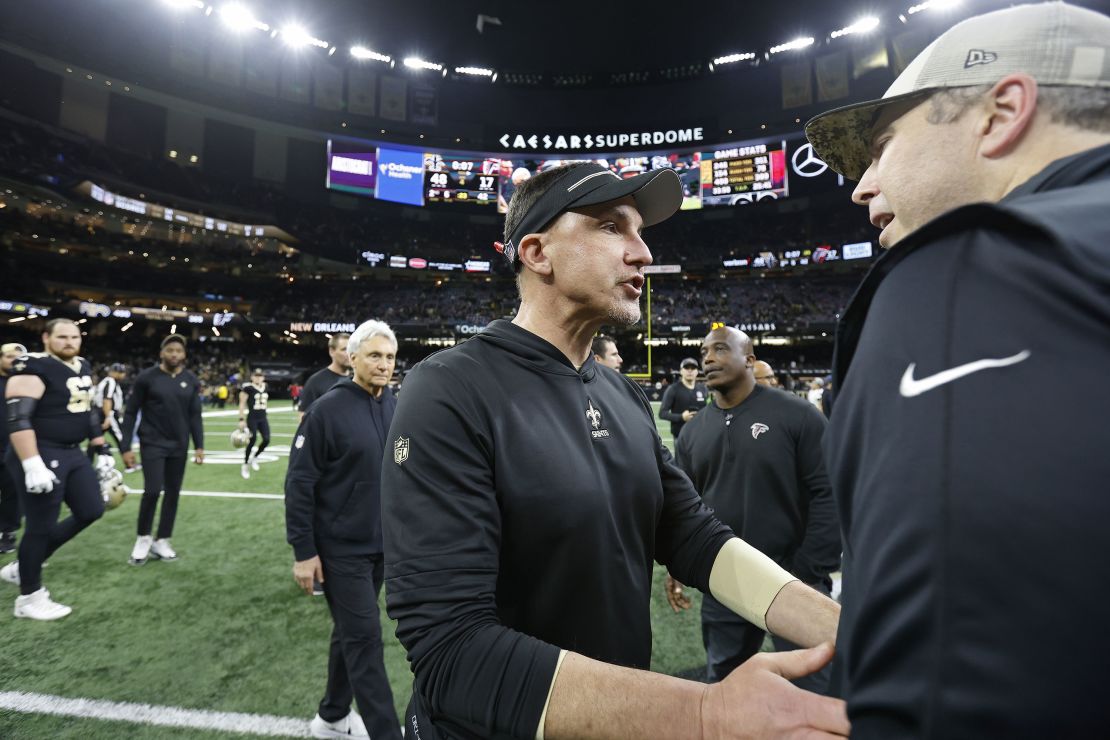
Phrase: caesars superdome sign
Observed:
(540, 141)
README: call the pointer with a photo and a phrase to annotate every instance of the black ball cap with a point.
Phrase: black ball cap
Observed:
(658, 195)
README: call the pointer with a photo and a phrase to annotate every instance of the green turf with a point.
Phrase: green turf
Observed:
(223, 628)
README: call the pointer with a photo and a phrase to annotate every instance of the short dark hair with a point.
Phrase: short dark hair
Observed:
(172, 338)
(258, 371)
(598, 346)
(333, 342)
(49, 330)
(526, 195)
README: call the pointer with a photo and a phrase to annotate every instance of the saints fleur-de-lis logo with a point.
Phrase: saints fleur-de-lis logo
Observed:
(593, 415)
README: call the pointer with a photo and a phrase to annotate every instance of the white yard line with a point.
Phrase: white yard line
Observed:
(148, 714)
(235, 412)
(217, 494)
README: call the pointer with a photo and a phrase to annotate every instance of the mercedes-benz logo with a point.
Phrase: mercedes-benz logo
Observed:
(806, 163)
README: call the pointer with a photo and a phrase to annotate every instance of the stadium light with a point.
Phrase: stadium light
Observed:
(475, 71)
(863, 25)
(731, 58)
(215, 331)
(798, 43)
(127, 326)
(933, 5)
(297, 36)
(238, 17)
(418, 63)
(361, 52)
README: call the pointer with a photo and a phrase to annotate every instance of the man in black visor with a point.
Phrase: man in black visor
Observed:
(526, 494)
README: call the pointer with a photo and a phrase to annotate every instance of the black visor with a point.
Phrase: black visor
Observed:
(658, 195)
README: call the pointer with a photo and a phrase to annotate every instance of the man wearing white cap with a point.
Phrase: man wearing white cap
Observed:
(972, 493)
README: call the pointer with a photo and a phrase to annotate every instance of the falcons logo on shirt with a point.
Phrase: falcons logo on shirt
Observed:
(758, 429)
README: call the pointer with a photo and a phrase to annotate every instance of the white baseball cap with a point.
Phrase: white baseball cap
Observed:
(1053, 42)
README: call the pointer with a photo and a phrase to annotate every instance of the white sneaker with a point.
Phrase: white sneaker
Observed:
(350, 726)
(141, 551)
(254, 463)
(161, 549)
(10, 573)
(245, 471)
(39, 606)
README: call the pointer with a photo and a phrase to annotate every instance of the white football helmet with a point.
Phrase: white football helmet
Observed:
(112, 489)
(240, 438)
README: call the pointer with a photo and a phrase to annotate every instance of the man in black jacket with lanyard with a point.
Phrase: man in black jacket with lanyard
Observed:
(973, 492)
(168, 396)
(683, 400)
(333, 521)
(526, 493)
(754, 455)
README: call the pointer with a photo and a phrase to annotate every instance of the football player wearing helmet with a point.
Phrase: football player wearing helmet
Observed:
(252, 419)
(49, 411)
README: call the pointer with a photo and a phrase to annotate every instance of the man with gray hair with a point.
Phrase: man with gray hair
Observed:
(973, 493)
(333, 521)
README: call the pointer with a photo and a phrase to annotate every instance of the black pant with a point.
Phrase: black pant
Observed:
(9, 496)
(255, 427)
(356, 668)
(44, 534)
(163, 470)
(730, 639)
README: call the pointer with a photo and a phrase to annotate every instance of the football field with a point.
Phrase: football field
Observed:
(219, 643)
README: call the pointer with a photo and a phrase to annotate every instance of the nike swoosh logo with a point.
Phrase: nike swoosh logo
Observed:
(910, 387)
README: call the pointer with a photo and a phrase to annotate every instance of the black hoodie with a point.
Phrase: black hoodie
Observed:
(333, 483)
(967, 451)
(523, 503)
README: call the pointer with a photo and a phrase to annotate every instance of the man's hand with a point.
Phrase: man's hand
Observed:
(37, 477)
(304, 571)
(198, 456)
(675, 597)
(106, 424)
(757, 700)
(128, 458)
(687, 415)
(242, 424)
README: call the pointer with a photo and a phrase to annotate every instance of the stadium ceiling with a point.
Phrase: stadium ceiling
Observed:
(568, 42)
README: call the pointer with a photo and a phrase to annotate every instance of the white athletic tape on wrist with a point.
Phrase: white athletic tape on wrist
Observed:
(550, 689)
(746, 581)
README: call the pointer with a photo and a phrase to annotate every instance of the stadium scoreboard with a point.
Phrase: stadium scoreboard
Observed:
(451, 178)
(735, 174)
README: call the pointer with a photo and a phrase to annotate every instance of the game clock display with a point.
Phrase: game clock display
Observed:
(450, 178)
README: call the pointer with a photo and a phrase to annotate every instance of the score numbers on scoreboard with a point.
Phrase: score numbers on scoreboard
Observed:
(743, 174)
(458, 179)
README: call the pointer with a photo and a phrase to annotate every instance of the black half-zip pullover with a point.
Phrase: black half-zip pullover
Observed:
(524, 502)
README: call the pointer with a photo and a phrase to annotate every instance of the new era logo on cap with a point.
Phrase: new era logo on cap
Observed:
(978, 56)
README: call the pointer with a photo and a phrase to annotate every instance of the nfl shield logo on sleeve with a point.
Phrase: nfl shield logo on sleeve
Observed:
(401, 450)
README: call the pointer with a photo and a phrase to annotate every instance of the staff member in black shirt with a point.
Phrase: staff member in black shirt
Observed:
(684, 399)
(9, 494)
(168, 396)
(972, 480)
(526, 492)
(333, 521)
(49, 414)
(253, 400)
(754, 455)
(321, 381)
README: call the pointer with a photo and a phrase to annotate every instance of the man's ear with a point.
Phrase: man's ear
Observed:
(1011, 106)
(533, 256)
